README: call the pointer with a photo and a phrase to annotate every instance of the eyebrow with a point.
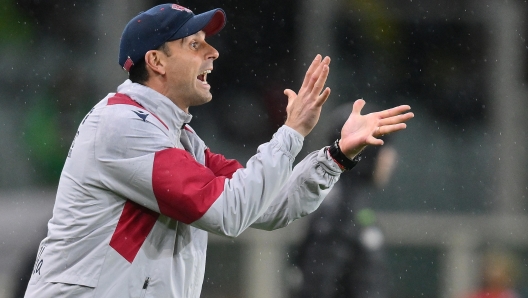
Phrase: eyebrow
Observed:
(186, 37)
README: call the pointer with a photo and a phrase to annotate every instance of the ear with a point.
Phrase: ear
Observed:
(155, 61)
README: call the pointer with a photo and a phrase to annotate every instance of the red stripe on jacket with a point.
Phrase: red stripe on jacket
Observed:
(184, 188)
(220, 165)
(123, 99)
(133, 227)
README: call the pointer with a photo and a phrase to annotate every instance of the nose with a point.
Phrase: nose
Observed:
(212, 53)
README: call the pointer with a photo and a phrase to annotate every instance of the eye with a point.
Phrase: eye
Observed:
(194, 45)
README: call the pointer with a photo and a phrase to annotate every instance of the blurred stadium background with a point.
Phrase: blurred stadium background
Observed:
(461, 181)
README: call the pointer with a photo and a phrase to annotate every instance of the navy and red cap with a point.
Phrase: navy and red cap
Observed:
(152, 28)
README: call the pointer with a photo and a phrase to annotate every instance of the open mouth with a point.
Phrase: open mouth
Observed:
(203, 76)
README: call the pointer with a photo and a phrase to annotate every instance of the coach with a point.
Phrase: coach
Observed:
(140, 190)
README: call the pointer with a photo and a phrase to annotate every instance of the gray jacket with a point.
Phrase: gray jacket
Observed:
(140, 190)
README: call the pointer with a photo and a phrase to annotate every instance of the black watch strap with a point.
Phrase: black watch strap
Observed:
(341, 158)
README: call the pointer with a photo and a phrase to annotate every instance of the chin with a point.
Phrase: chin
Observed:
(208, 98)
(201, 101)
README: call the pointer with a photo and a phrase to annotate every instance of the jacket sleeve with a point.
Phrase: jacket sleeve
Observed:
(251, 190)
(310, 182)
(220, 165)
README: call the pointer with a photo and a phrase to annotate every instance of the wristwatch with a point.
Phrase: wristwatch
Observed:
(344, 162)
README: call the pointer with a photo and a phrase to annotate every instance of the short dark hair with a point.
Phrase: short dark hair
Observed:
(138, 73)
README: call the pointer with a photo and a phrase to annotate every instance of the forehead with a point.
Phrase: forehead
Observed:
(199, 35)
(180, 44)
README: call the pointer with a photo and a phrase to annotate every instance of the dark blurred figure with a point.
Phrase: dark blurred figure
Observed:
(343, 253)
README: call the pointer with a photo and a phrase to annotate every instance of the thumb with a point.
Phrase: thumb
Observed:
(291, 94)
(358, 106)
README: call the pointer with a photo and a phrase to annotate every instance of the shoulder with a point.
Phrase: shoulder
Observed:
(120, 110)
(126, 129)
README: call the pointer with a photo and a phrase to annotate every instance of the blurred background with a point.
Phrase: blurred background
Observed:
(458, 190)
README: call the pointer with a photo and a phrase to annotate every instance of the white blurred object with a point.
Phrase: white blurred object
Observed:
(372, 238)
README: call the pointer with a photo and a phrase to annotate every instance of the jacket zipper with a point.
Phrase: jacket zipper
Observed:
(145, 286)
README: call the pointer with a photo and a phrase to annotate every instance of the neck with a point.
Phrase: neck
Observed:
(162, 89)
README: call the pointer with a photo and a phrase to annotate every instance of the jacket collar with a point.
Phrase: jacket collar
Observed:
(156, 103)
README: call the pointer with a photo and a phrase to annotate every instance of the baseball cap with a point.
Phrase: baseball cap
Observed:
(152, 28)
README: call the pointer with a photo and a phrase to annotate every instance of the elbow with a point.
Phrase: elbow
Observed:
(232, 233)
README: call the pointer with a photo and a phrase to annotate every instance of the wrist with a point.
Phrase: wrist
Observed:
(351, 153)
(298, 129)
(341, 159)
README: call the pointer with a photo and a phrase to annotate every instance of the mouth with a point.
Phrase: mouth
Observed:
(203, 76)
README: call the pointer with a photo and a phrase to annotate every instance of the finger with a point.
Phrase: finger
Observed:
(321, 75)
(358, 106)
(311, 70)
(393, 111)
(321, 99)
(326, 60)
(374, 141)
(316, 75)
(396, 119)
(387, 129)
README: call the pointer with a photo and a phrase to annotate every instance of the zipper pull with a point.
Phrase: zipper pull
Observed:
(145, 285)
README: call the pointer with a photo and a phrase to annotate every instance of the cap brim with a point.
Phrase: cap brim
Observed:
(211, 22)
(216, 23)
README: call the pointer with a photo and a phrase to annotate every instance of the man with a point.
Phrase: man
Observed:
(140, 190)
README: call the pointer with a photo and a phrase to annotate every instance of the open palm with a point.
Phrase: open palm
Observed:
(360, 131)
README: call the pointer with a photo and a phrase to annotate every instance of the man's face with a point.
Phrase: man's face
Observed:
(189, 61)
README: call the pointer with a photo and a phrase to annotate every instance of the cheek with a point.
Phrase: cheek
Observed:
(175, 63)
(180, 73)
(183, 69)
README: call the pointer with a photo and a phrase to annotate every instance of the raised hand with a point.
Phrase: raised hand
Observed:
(360, 131)
(304, 109)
